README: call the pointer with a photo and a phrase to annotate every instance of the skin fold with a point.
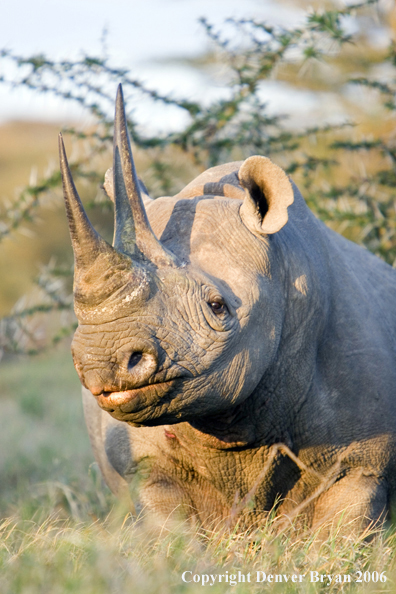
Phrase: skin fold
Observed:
(234, 350)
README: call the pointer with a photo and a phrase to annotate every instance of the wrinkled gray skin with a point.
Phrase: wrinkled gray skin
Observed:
(236, 322)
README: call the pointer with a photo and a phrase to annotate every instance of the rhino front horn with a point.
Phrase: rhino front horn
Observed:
(132, 231)
(87, 243)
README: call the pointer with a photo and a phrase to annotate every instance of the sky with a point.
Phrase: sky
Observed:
(141, 34)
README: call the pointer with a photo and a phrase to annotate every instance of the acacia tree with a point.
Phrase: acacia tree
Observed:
(348, 178)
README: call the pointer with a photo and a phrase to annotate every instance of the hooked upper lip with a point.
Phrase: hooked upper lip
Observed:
(133, 400)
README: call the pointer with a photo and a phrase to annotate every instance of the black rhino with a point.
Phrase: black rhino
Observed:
(234, 348)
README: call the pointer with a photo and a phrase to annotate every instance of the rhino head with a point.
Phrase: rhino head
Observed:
(181, 317)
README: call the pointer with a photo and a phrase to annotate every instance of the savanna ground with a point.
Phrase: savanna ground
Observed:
(61, 529)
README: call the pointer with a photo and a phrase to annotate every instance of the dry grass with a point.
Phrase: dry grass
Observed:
(121, 554)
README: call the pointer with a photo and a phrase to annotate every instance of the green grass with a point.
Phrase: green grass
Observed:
(62, 531)
(44, 447)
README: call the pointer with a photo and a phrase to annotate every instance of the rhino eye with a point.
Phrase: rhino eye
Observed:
(218, 307)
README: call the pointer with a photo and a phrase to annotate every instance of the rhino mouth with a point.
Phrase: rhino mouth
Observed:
(130, 401)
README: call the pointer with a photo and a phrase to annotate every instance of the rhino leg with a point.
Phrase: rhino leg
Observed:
(360, 498)
(111, 446)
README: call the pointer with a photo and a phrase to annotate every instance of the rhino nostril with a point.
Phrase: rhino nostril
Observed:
(134, 359)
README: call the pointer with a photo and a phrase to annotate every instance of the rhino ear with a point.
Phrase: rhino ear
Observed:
(109, 187)
(268, 193)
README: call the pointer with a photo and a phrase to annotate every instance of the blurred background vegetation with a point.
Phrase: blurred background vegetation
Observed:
(343, 157)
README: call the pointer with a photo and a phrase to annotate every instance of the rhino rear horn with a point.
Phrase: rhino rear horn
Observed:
(268, 193)
(132, 231)
(87, 243)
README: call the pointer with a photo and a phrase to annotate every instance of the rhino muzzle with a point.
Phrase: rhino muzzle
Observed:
(140, 368)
